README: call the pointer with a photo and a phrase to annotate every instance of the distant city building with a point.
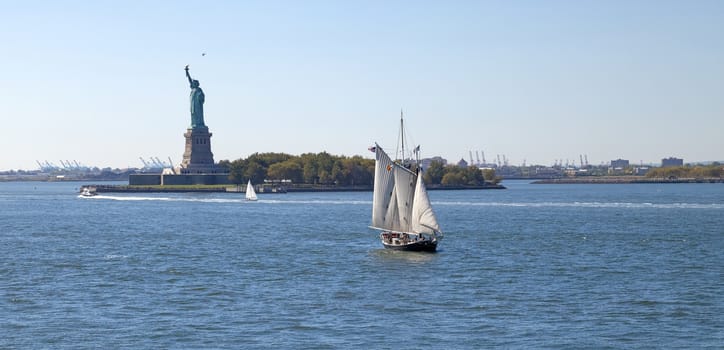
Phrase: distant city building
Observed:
(671, 161)
(619, 163)
(426, 161)
(462, 163)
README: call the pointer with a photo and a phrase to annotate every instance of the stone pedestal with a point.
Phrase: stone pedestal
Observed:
(198, 158)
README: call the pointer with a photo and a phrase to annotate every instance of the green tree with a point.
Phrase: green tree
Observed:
(236, 171)
(434, 173)
(225, 164)
(357, 171)
(325, 164)
(489, 175)
(453, 179)
(714, 171)
(307, 168)
(287, 170)
(474, 176)
(340, 173)
(254, 172)
(309, 172)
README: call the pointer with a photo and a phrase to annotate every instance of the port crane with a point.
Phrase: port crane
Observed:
(155, 163)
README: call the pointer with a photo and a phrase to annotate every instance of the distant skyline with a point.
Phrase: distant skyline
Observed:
(102, 82)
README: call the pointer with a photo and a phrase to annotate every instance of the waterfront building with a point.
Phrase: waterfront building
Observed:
(671, 161)
(619, 163)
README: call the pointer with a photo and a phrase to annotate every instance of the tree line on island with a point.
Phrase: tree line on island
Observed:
(713, 170)
(326, 169)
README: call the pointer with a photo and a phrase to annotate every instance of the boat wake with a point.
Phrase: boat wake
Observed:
(225, 200)
(626, 205)
(167, 199)
(318, 202)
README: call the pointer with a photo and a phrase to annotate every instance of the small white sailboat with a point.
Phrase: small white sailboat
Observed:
(250, 193)
(401, 208)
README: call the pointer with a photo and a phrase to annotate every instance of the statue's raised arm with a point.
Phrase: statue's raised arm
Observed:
(188, 75)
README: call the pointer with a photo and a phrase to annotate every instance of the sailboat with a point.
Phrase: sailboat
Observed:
(250, 193)
(401, 208)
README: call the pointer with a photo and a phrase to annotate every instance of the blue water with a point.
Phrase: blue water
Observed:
(533, 266)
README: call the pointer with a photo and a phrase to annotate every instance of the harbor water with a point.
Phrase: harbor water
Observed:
(534, 266)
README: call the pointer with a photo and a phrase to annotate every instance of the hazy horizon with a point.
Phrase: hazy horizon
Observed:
(540, 82)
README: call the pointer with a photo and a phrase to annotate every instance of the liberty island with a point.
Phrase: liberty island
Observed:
(197, 165)
(197, 171)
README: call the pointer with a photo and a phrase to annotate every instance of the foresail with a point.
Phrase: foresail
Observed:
(423, 218)
(384, 186)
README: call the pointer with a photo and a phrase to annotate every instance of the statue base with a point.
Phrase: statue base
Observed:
(198, 158)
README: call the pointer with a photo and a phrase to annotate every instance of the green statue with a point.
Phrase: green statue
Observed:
(197, 102)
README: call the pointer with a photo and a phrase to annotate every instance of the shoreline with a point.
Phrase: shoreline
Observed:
(626, 180)
(96, 188)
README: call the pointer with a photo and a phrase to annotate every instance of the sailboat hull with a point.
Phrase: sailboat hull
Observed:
(396, 241)
(426, 246)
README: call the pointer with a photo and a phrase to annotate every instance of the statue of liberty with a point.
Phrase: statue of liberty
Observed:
(197, 102)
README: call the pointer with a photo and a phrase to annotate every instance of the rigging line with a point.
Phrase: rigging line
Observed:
(400, 141)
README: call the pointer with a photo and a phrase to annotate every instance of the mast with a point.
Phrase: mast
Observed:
(402, 137)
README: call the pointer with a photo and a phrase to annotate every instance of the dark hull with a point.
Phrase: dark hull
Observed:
(420, 246)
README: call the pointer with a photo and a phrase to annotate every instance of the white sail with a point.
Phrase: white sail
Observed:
(250, 193)
(384, 186)
(423, 218)
(405, 190)
(392, 217)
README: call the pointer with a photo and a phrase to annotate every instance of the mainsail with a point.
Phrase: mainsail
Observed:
(383, 191)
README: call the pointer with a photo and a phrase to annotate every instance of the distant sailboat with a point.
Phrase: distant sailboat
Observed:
(401, 208)
(250, 193)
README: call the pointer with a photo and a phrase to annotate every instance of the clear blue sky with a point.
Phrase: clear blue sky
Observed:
(102, 82)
